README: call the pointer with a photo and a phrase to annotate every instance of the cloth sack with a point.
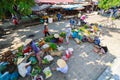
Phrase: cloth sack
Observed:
(22, 68)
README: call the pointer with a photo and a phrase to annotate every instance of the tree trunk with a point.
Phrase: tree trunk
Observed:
(109, 20)
(110, 17)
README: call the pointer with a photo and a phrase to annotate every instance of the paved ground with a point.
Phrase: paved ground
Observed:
(84, 63)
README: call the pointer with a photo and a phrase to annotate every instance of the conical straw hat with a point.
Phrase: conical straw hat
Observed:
(28, 41)
(61, 63)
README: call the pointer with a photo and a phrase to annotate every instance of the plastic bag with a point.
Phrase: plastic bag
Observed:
(5, 76)
(33, 60)
(3, 65)
(48, 57)
(56, 53)
(75, 34)
(47, 72)
(14, 76)
(45, 46)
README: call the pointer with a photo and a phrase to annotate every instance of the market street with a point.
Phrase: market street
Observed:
(84, 63)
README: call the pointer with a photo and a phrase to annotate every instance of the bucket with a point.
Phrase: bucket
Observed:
(50, 20)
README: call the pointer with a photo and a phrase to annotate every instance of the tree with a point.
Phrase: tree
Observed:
(16, 7)
(106, 4)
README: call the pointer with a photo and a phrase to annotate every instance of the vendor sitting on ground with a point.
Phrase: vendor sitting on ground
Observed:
(83, 19)
(90, 38)
(100, 49)
(58, 39)
(26, 49)
(34, 48)
(62, 66)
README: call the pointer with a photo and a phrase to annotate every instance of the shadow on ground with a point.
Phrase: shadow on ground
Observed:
(84, 63)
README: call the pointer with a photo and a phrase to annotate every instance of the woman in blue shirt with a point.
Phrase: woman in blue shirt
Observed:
(97, 41)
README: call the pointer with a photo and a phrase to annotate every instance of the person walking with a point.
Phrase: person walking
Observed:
(68, 33)
(46, 31)
(15, 20)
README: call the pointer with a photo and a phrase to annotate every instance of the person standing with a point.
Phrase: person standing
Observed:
(46, 31)
(59, 16)
(79, 15)
(15, 21)
(72, 23)
(83, 19)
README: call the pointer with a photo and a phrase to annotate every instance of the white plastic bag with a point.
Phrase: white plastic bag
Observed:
(47, 72)
(45, 46)
(48, 57)
(22, 68)
(61, 48)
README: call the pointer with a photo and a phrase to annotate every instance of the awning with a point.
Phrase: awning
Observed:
(54, 1)
(72, 7)
(37, 1)
(68, 7)
(42, 7)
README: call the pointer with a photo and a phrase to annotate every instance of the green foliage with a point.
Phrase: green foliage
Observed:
(23, 7)
(62, 34)
(82, 29)
(53, 46)
(20, 48)
(85, 26)
(19, 54)
(45, 61)
(36, 70)
(49, 38)
(106, 4)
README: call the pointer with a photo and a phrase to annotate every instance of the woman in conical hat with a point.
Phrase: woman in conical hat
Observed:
(62, 66)
(61, 63)
(56, 38)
